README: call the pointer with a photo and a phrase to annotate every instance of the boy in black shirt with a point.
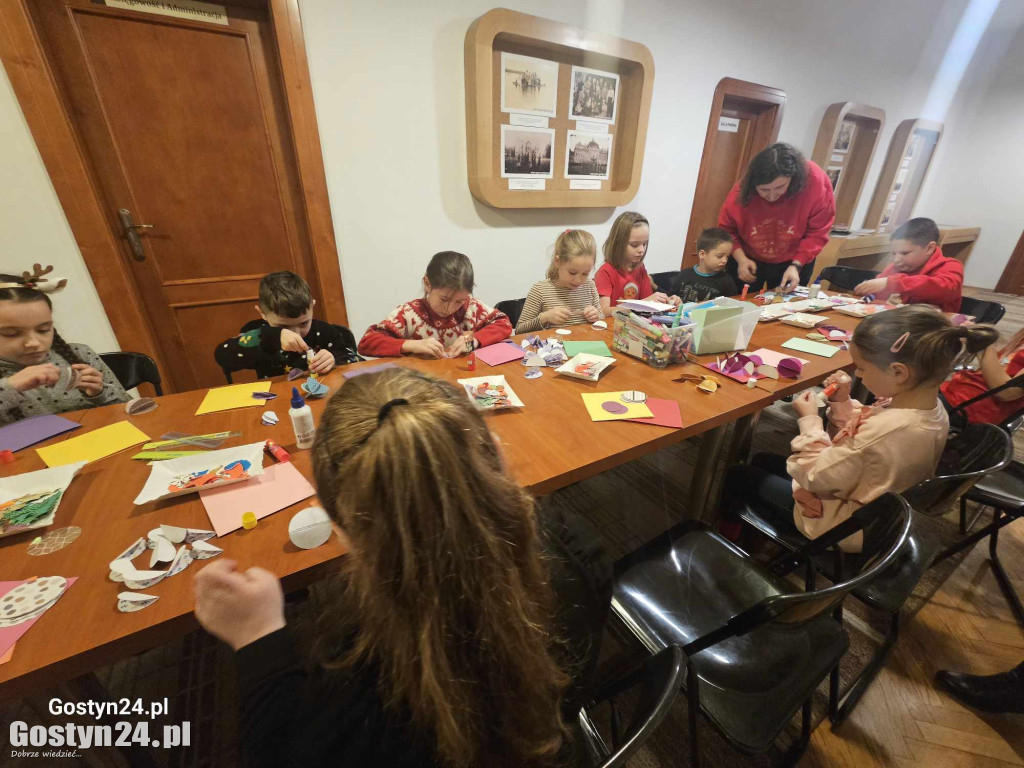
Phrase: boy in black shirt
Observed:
(280, 340)
(707, 280)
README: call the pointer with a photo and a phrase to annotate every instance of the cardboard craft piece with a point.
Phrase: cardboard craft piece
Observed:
(31, 500)
(194, 473)
(490, 393)
(129, 602)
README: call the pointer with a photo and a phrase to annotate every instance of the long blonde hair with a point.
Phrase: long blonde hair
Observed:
(618, 238)
(444, 582)
(569, 245)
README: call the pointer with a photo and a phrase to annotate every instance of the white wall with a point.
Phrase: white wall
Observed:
(34, 230)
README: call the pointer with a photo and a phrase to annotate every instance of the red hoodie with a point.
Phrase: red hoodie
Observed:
(790, 229)
(939, 281)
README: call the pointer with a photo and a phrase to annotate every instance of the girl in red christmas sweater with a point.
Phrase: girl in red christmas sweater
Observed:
(446, 322)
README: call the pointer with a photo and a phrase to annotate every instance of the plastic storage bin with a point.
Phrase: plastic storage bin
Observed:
(656, 345)
(724, 327)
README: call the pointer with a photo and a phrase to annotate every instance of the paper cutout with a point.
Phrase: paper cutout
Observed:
(94, 445)
(811, 347)
(280, 486)
(633, 396)
(705, 383)
(862, 310)
(600, 325)
(764, 356)
(315, 388)
(35, 429)
(595, 402)
(295, 373)
(203, 550)
(309, 528)
(140, 405)
(54, 541)
(790, 367)
(498, 354)
(9, 635)
(163, 549)
(351, 374)
(585, 366)
(176, 441)
(213, 468)
(264, 396)
(533, 372)
(489, 393)
(143, 579)
(129, 602)
(835, 333)
(563, 331)
(709, 385)
(181, 561)
(67, 380)
(30, 596)
(598, 348)
(234, 396)
(802, 320)
(269, 419)
(642, 305)
(549, 352)
(666, 413)
(31, 500)
(178, 535)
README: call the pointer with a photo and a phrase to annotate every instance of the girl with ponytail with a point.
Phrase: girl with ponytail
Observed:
(902, 356)
(39, 371)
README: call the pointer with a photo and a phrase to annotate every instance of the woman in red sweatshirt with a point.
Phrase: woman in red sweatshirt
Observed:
(779, 216)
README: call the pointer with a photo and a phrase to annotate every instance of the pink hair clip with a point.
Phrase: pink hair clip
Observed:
(898, 344)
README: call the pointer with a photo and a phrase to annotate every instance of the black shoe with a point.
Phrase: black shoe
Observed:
(991, 693)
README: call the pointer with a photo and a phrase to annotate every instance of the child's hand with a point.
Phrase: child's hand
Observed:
(292, 342)
(45, 375)
(556, 316)
(675, 301)
(461, 346)
(592, 314)
(871, 286)
(842, 383)
(323, 362)
(90, 381)
(805, 404)
(239, 608)
(428, 347)
(659, 296)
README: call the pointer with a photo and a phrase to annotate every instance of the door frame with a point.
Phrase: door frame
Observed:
(1013, 273)
(774, 98)
(52, 128)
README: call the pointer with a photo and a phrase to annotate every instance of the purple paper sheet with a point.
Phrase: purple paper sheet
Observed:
(35, 429)
(370, 369)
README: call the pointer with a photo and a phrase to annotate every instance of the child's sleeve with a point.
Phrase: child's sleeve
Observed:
(595, 297)
(490, 326)
(819, 465)
(270, 689)
(338, 340)
(112, 391)
(529, 318)
(249, 348)
(943, 287)
(385, 339)
(603, 281)
(11, 403)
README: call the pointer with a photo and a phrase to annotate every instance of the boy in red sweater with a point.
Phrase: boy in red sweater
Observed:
(919, 272)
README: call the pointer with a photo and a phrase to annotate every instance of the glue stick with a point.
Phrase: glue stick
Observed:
(302, 420)
(309, 363)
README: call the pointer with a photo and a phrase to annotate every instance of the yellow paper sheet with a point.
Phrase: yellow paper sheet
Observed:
(93, 445)
(235, 396)
(594, 400)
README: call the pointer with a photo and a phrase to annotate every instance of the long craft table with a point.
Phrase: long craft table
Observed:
(549, 444)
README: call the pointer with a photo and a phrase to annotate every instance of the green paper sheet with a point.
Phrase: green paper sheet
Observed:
(573, 348)
(811, 347)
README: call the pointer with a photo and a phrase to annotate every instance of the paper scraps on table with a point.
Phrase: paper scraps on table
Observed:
(835, 333)
(498, 354)
(295, 373)
(94, 445)
(207, 470)
(269, 418)
(280, 486)
(309, 528)
(862, 309)
(34, 429)
(802, 320)
(315, 388)
(598, 348)
(608, 406)
(549, 352)
(13, 630)
(140, 405)
(53, 541)
(490, 393)
(705, 383)
(129, 602)
(533, 372)
(811, 347)
(231, 397)
(174, 440)
(666, 414)
(585, 366)
(264, 395)
(352, 373)
(203, 550)
(642, 305)
(31, 500)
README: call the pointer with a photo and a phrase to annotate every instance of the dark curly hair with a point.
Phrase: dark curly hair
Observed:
(23, 294)
(778, 160)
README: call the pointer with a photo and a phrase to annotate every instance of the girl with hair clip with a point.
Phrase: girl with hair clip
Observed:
(40, 372)
(997, 367)
(902, 356)
(623, 274)
(568, 294)
(459, 630)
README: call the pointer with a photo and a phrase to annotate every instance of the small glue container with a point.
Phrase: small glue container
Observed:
(302, 420)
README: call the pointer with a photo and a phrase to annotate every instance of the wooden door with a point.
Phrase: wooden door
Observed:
(184, 125)
(1012, 279)
(745, 118)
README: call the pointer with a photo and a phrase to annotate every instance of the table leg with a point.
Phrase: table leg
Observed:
(704, 471)
(738, 451)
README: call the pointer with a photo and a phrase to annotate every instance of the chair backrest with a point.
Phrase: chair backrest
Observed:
(133, 368)
(662, 279)
(511, 307)
(845, 278)
(983, 311)
(970, 455)
(659, 679)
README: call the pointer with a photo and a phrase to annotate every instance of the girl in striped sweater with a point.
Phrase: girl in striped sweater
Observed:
(567, 295)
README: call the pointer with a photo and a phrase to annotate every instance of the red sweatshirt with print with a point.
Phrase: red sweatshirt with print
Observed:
(415, 320)
(790, 229)
(939, 281)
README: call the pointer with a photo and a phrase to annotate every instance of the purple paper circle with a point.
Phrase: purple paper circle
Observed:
(612, 407)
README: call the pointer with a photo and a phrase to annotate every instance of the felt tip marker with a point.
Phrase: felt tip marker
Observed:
(277, 451)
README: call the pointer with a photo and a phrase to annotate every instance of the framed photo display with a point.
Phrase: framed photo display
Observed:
(594, 95)
(528, 85)
(526, 153)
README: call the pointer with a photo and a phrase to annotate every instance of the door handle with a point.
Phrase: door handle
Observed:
(131, 234)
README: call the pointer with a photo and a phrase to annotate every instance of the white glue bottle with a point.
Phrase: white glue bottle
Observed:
(302, 421)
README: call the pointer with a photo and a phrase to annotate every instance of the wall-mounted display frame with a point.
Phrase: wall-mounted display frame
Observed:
(906, 167)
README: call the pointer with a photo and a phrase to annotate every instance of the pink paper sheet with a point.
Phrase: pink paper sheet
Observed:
(10, 635)
(496, 354)
(280, 486)
(666, 413)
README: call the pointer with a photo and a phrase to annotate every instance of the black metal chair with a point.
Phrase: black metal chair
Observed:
(970, 455)
(133, 368)
(664, 279)
(988, 312)
(511, 307)
(756, 650)
(845, 278)
(658, 679)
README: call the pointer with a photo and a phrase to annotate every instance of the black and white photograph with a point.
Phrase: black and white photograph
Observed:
(845, 137)
(528, 85)
(833, 172)
(594, 95)
(526, 152)
(587, 155)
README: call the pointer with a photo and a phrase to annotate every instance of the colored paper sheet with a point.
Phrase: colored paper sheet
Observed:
(811, 347)
(594, 402)
(235, 396)
(94, 445)
(368, 369)
(496, 354)
(573, 348)
(35, 429)
(280, 486)
(666, 413)
(772, 358)
(10, 635)
(164, 455)
(7, 656)
(739, 375)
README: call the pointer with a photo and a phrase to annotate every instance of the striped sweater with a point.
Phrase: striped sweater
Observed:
(546, 295)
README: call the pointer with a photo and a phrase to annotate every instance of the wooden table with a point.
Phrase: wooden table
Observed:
(548, 444)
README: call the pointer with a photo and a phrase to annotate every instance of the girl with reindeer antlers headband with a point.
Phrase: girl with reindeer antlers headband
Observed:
(40, 372)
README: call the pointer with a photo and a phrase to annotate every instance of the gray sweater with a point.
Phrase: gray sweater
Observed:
(15, 405)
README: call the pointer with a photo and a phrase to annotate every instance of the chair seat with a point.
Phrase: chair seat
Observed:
(1004, 489)
(751, 685)
(890, 589)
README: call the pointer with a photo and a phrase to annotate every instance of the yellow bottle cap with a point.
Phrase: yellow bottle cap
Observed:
(249, 520)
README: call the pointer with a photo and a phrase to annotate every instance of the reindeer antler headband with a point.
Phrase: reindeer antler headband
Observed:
(35, 279)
